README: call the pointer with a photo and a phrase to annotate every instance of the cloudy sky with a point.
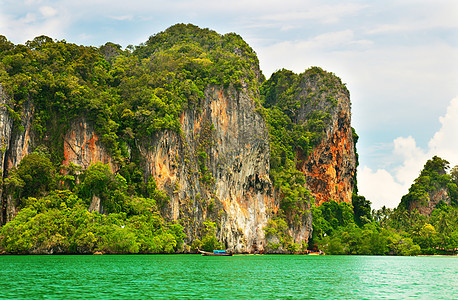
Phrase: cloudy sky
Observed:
(399, 59)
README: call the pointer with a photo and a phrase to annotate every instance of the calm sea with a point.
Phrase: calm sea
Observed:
(236, 277)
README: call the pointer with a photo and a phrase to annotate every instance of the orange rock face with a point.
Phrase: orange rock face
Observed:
(82, 147)
(331, 167)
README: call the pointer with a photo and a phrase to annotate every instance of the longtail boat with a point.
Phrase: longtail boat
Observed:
(215, 253)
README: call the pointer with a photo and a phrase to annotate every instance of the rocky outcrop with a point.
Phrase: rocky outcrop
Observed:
(6, 126)
(82, 146)
(427, 206)
(17, 142)
(217, 168)
(330, 168)
(22, 138)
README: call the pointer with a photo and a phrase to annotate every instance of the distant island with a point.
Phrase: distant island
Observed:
(181, 143)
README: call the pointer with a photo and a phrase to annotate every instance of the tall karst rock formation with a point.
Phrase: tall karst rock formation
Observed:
(217, 168)
(207, 146)
(330, 168)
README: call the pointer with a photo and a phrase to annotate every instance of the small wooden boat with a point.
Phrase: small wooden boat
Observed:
(215, 253)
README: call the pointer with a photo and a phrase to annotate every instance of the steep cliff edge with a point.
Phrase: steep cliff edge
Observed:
(218, 168)
(315, 131)
(191, 135)
(331, 166)
(313, 156)
(6, 125)
(17, 142)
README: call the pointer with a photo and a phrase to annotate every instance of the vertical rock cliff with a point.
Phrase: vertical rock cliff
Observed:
(186, 109)
(217, 167)
(6, 125)
(313, 158)
(17, 142)
(82, 147)
(431, 189)
(427, 206)
(330, 168)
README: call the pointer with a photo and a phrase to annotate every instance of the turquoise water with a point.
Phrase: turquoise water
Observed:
(236, 277)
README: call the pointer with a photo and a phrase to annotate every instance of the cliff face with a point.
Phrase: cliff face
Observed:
(330, 168)
(214, 163)
(218, 167)
(434, 186)
(83, 148)
(426, 207)
(16, 144)
(6, 125)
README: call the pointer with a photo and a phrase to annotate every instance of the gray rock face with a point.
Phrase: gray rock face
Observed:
(218, 168)
(427, 206)
(6, 126)
(16, 144)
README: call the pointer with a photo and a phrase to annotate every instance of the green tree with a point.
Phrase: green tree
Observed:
(34, 176)
(361, 209)
(209, 240)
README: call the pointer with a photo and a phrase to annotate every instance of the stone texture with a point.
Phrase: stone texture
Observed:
(331, 167)
(16, 143)
(229, 138)
(435, 196)
(6, 127)
(82, 147)
(217, 167)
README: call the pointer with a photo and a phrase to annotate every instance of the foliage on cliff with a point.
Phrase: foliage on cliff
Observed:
(55, 218)
(284, 97)
(399, 231)
(432, 178)
(127, 95)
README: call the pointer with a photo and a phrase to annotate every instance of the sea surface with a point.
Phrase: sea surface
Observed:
(236, 277)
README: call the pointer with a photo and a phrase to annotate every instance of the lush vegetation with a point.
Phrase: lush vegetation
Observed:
(297, 109)
(127, 96)
(130, 95)
(398, 231)
(54, 213)
(432, 178)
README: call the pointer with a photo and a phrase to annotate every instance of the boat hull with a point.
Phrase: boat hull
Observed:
(205, 253)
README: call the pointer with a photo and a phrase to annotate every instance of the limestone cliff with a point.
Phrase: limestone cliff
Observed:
(17, 142)
(219, 167)
(432, 188)
(330, 168)
(6, 125)
(82, 146)
(185, 109)
(427, 206)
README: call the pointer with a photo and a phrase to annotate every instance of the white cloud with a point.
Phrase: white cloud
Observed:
(382, 187)
(413, 158)
(34, 19)
(28, 19)
(319, 12)
(48, 11)
(420, 17)
(123, 18)
(445, 141)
